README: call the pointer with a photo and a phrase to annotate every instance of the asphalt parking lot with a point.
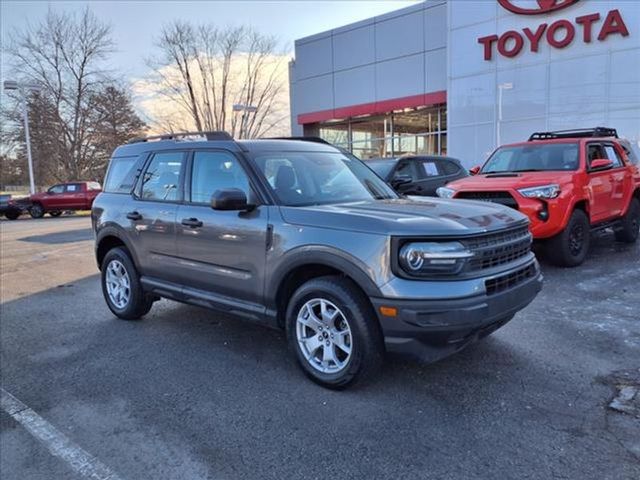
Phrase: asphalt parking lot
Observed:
(191, 394)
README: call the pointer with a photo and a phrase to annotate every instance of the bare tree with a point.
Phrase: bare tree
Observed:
(204, 71)
(65, 55)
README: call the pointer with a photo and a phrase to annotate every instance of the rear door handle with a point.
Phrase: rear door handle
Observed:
(134, 216)
(191, 222)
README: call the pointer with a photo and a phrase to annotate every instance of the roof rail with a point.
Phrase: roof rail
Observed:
(578, 133)
(210, 136)
(302, 139)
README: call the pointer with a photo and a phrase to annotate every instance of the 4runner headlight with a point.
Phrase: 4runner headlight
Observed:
(544, 191)
(444, 192)
(424, 258)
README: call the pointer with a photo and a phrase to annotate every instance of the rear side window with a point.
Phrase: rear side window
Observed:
(122, 174)
(161, 180)
(427, 168)
(93, 186)
(631, 155)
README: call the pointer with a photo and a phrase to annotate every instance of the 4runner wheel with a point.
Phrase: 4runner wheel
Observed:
(569, 248)
(121, 286)
(55, 213)
(334, 332)
(36, 211)
(630, 224)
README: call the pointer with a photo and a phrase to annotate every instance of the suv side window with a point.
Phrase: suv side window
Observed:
(56, 189)
(594, 152)
(406, 168)
(428, 168)
(213, 171)
(449, 168)
(612, 154)
(161, 180)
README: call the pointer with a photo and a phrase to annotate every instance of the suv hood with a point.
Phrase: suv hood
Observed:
(412, 216)
(508, 181)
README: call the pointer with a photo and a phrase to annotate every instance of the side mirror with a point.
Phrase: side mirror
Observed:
(600, 164)
(229, 199)
(399, 180)
(475, 170)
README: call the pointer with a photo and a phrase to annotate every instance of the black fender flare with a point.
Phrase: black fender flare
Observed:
(118, 232)
(322, 255)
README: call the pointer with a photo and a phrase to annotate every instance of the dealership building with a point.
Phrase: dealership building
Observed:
(460, 77)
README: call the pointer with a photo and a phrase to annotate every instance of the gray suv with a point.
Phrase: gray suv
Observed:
(302, 236)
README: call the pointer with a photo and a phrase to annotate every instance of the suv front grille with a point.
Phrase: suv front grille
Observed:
(496, 249)
(510, 280)
(503, 198)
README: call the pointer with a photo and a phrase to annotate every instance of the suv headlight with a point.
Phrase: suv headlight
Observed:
(445, 192)
(425, 258)
(544, 191)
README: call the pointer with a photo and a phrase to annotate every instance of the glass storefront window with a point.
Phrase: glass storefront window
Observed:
(410, 131)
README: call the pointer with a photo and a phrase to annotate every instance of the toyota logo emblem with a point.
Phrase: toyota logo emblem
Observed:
(544, 6)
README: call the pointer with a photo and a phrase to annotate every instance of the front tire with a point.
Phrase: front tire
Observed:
(630, 224)
(569, 248)
(12, 214)
(333, 332)
(121, 286)
(36, 210)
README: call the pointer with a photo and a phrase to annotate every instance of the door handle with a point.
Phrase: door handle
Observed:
(191, 222)
(134, 216)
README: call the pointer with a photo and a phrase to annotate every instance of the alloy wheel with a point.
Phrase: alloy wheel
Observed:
(118, 284)
(324, 336)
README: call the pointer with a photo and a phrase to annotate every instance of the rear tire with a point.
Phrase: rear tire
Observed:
(36, 210)
(333, 332)
(630, 224)
(569, 248)
(121, 286)
(55, 213)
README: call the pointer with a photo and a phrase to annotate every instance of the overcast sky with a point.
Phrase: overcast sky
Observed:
(135, 23)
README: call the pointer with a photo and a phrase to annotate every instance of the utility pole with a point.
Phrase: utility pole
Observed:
(23, 89)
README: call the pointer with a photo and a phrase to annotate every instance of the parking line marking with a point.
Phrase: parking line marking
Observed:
(57, 442)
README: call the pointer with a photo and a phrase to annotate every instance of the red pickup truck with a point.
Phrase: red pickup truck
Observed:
(63, 197)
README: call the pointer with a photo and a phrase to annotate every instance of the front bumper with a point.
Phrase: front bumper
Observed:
(434, 329)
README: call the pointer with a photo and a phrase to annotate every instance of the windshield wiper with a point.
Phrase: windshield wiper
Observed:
(530, 170)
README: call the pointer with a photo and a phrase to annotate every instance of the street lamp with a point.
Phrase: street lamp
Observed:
(245, 109)
(501, 87)
(23, 88)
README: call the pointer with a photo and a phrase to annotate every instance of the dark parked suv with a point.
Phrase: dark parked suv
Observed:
(303, 236)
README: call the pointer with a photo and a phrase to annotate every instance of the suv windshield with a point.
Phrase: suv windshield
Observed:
(532, 158)
(315, 178)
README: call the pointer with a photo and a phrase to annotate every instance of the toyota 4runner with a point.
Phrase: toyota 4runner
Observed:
(303, 236)
(568, 183)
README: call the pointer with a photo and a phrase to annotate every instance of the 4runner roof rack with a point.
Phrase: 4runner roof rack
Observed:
(210, 136)
(578, 133)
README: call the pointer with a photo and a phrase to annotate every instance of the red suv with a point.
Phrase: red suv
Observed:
(568, 183)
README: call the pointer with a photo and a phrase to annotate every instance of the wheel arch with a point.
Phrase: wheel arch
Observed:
(306, 265)
(109, 238)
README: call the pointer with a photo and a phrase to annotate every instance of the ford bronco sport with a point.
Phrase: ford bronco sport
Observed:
(568, 183)
(303, 236)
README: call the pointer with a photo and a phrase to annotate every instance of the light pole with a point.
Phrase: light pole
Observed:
(245, 109)
(23, 88)
(501, 87)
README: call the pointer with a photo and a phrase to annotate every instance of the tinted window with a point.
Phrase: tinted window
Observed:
(56, 189)
(428, 168)
(122, 174)
(544, 157)
(161, 180)
(216, 171)
(407, 169)
(449, 168)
